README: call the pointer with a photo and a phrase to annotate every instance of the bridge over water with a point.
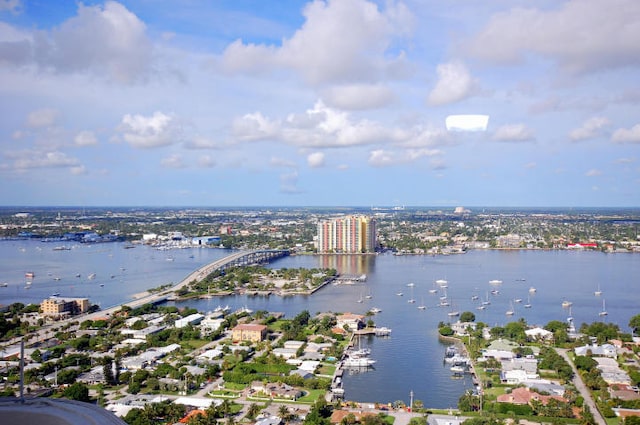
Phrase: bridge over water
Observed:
(241, 258)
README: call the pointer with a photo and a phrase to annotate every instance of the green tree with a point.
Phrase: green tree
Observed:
(77, 391)
(467, 316)
(634, 324)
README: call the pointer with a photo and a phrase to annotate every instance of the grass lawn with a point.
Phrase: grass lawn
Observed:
(234, 387)
(192, 344)
(311, 396)
(327, 369)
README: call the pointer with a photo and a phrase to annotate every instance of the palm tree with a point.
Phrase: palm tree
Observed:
(283, 412)
(253, 411)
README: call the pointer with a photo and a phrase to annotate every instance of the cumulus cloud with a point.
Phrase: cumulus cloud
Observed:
(41, 118)
(385, 158)
(79, 170)
(199, 142)
(105, 40)
(358, 96)
(85, 138)
(454, 84)
(315, 160)
(580, 35)
(340, 40)
(624, 135)
(289, 183)
(28, 159)
(149, 132)
(593, 173)
(513, 133)
(255, 126)
(172, 161)
(590, 129)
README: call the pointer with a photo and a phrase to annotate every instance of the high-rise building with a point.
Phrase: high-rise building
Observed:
(351, 235)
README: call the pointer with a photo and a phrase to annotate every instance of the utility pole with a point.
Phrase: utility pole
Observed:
(411, 401)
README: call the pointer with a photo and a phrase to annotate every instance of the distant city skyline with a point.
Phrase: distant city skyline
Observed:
(315, 103)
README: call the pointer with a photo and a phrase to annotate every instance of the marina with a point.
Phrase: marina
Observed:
(414, 330)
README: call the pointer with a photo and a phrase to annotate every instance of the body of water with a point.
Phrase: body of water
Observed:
(411, 358)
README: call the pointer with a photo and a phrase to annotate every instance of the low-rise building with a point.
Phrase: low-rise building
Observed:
(350, 320)
(249, 332)
(58, 306)
(192, 319)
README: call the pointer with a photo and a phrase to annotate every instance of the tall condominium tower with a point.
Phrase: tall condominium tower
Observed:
(352, 235)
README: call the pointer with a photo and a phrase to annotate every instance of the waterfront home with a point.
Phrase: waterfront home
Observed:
(605, 350)
(276, 390)
(497, 354)
(544, 386)
(517, 376)
(538, 334)
(192, 319)
(462, 328)
(338, 416)
(525, 396)
(249, 332)
(526, 364)
(285, 353)
(350, 320)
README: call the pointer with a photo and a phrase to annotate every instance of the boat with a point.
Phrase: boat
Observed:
(532, 290)
(495, 292)
(4, 285)
(511, 311)
(597, 292)
(411, 284)
(411, 301)
(56, 278)
(458, 369)
(442, 283)
(101, 285)
(383, 331)
(29, 275)
(486, 301)
(495, 282)
(566, 303)
(474, 297)
(604, 311)
(55, 294)
(62, 248)
(453, 313)
(399, 294)
(528, 304)
(91, 276)
(422, 306)
(517, 300)
(77, 274)
(481, 307)
(358, 362)
(375, 310)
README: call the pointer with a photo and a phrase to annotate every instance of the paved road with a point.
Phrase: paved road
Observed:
(582, 388)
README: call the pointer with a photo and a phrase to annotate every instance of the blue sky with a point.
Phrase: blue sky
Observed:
(335, 102)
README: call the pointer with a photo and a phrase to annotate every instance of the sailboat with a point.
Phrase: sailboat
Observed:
(597, 292)
(422, 306)
(528, 304)
(361, 299)
(411, 300)
(511, 311)
(604, 311)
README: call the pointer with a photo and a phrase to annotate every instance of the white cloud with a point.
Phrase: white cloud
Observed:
(315, 160)
(513, 133)
(255, 126)
(79, 170)
(200, 142)
(206, 161)
(530, 165)
(85, 138)
(29, 159)
(340, 40)
(149, 132)
(625, 160)
(385, 158)
(580, 35)
(358, 96)
(623, 135)
(40, 118)
(590, 129)
(454, 84)
(289, 183)
(381, 158)
(593, 173)
(172, 161)
(105, 40)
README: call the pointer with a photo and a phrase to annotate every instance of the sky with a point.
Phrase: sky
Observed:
(319, 103)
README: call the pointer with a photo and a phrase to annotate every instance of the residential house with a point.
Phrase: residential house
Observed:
(249, 332)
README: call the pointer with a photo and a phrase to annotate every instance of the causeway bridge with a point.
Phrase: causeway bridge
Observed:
(241, 258)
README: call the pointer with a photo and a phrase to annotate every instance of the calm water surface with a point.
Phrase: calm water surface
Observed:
(411, 358)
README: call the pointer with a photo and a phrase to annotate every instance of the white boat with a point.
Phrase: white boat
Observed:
(422, 306)
(566, 303)
(91, 276)
(511, 311)
(442, 283)
(517, 300)
(411, 284)
(383, 331)
(399, 294)
(486, 301)
(375, 310)
(597, 292)
(457, 369)
(4, 285)
(495, 282)
(604, 311)
(481, 307)
(358, 362)
(528, 304)
(532, 290)
(474, 297)
(453, 313)
(411, 301)
(495, 292)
